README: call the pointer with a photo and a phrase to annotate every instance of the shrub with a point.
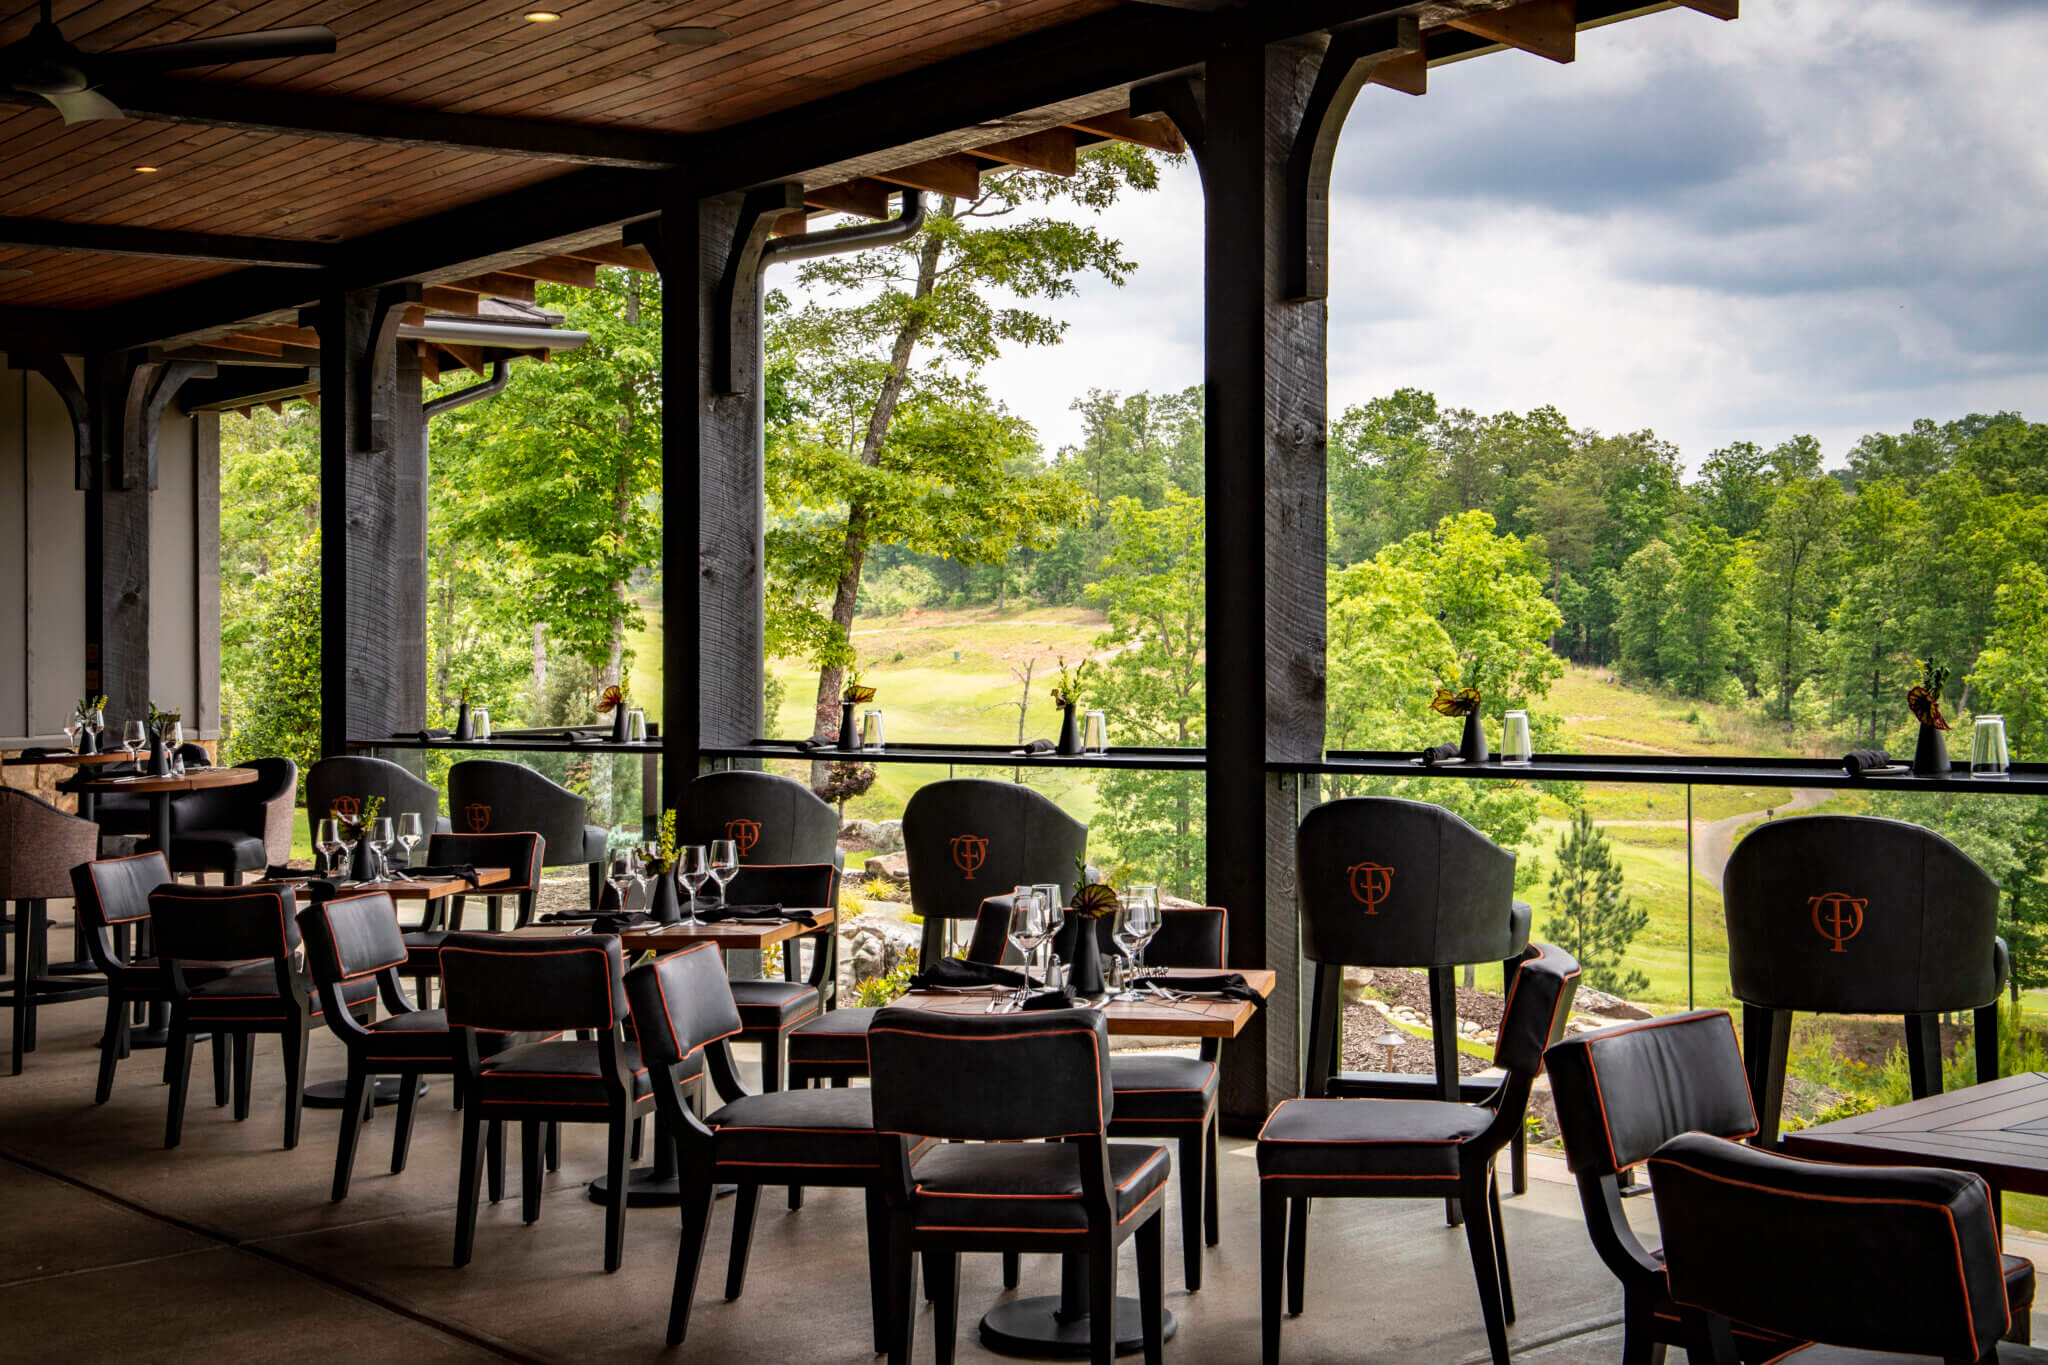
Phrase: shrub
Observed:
(877, 991)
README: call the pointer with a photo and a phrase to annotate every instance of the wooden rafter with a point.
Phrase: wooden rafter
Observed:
(863, 198)
(1719, 9)
(1548, 28)
(1052, 150)
(443, 300)
(497, 285)
(959, 176)
(291, 336)
(430, 361)
(556, 270)
(1156, 133)
(1407, 73)
(629, 257)
(250, 344)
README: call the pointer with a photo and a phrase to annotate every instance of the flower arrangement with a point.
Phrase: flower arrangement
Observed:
(1460, 699)
(96, 701)
(1924, 701)
(1072, 683)
(353, 827)
(1093, 899)
(665, 845)
(855, 692)
(617, 695)
(160, 722)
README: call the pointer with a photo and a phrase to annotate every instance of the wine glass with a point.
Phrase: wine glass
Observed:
(327, 839)
(96, 722)
(409, 835)
(133, 737)
(623, 873)
(71, 729)
(380, 836)
(1030, 927)
(1137, 920)
(693, 865)
(725, 863)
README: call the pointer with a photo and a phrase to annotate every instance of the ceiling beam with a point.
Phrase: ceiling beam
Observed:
(107, 239)
(616, 253)
(959, 176)
(1052, 151)
(555, 270)
(1719, 9)
(1157, 133)
(863, 198)
(1548, 28)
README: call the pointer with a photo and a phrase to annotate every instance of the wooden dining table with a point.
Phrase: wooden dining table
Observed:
(160, 790)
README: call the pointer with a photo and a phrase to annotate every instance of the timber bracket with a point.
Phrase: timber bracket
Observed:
(151, 385)
(1182, 100)
(739, 282)
(55, 372)
(368, 371)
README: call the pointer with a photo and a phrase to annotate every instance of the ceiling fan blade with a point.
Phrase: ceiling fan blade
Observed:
(79, 106)
(267, 45)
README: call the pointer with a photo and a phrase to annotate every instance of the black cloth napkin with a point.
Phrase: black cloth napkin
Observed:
(1437, 753)
(820, 746)
(1037, 746)
(441, 872)
(425, 736)
(614, 921)
(1861, 761)
(1050, 1000)
(1229, 985)
(953, 973)
(722, 913)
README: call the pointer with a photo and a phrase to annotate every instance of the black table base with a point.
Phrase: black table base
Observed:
(332, 1094)
(1037, 1328)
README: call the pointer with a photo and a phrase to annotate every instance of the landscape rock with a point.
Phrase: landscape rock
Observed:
(874, 945)
(1607, 1006)
(875, 836)
(892, 867)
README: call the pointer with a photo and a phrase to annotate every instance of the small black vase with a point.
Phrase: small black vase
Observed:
(1084, 974)
(463, 728)
(662, 902)
(1070, 734)
(1472, 749)
(619, 723)
(361, 860)
(159, 757)
(87, 744)
(849, 738)
(1930, 758)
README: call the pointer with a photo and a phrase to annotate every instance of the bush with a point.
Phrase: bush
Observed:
(877, 991)
(879, 889)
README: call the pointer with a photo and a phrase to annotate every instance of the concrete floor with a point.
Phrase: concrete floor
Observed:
(116, 1249)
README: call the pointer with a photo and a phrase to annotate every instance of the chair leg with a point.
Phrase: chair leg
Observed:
(1518, 1161)
(295, 1082)
(1297, 1254)
(221, 1059)
(878, 1265)
(178, 1059)
(353, 1095)
(1443, 1028)
(493, 913)
(24, 971)
(596, 885)
(1923, 1054)
(1638, 1329)
(1986, 1035)
(1500, 1248)
(744, 1201)
(494, 1160)
(244, 1046)
(1151, 1291)
(696, 1211)
(634, 1152)
(1212, 1204)
(554, 1148)
(408, 1102)
(1485, 1265)
(902, 1282)
(617, 1168)
(455, 913)
(112, 1043)
(1193, 1185)
(1012, 1266)
(1101, 1300)
(466, 1192)
(525, 902)
(1766, 1039)
(942, 1273)
(529, 1170)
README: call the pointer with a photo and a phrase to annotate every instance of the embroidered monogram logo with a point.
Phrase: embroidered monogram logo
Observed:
(745, 833)
(1370, 884)
(970, 851)
(1837, 917)
(347, 808)
(478, 815)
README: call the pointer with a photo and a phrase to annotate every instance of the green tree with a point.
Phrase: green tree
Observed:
(1795, 573)
(1385, 472)
(1700, 637)
(270, 659)
(1873, 648)
(1645, 594)
(1589, 916)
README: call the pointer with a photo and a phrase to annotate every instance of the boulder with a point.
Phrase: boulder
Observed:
(891, 867)
(875, 945)
(1590, 1001)
(877, 836)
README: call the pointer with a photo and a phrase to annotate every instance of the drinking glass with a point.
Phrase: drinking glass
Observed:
(1988, 757)
(1137, 920)
(133, 737)
(622, 874)
(636, 726)
(693, 865)
(1030, 927)
(480, 722)
(327, 839)
(409, 834)
(380, 834)
(1095, 732)
(71, 729)
(725, 862)
(1514, 737)
(96, 721)
(871, 730)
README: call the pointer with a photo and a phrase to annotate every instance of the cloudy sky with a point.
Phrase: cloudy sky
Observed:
(1823, 217)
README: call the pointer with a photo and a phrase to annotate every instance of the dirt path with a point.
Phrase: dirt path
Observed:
(1717, 840)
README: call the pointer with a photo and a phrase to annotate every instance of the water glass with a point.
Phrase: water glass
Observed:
(1030, 926)
(871, 730)
(1988, 757)
(1095, 733)
(1137, 920)
(622, 873)
(381, 836)
(96, 722)
(1514, 737)
(693, 866)
(480, 722)
(133, 737)
(327, 839)
(409, 834)
(72, 728)
(725, 863)
(636, 726)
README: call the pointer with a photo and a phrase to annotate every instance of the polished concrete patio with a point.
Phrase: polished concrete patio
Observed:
(119, 1250)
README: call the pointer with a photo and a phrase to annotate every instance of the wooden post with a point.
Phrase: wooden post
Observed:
(1265, 481)
(373, 514)
(117, 539)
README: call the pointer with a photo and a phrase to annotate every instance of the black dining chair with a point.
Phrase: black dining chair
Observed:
(110, 897)
(1849, 914)
(486, 796)
(968, 838)
(206, 925)
(1398, 1149)
(233, 831)
(39, 845)
(502, 983)
(685, 1019)
(1388, 883)
(519, 854)
(344, 785)
(1870, 1263)
(1020, 1106)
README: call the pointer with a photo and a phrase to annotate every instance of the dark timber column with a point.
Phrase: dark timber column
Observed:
(713, 626)
(116, 542)
(373, 542)
(1265, 486)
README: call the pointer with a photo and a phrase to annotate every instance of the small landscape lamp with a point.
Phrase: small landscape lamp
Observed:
(1390, 1040)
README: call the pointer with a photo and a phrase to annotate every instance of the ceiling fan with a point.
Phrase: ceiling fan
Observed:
(45, 65)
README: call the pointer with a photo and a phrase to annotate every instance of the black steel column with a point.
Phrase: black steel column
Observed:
(373, 544)
(1265, 474)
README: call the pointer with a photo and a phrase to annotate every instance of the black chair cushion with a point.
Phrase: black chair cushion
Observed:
(835, 1038)
(119, 813)
(1160, 1089)
(562, 1073)
(766, 1006)
(422, 1036)
(1622, 1092)
(249, 996)
(594, 839)
(1028, 1186)
(1376, 1139)
(822, 1128)
(423, 951)
(217, 850)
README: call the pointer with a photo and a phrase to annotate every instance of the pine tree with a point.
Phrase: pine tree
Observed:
(1589, 917)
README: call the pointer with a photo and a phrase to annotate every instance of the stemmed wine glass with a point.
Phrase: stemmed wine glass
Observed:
(409, 835)
(1137, 920)
(1030, 927)
(380, 836)
(71, 729)
(133, 737)
(174, 745)
(96, 721)
(1055, 917)
(693, 865)
(623, 873)
(327, 839)
(725, 862)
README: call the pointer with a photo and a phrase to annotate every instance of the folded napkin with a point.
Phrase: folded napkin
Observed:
(613, 922)
(723, 913)
(37, 755)
(1229, 985)
(820, 746)
(442, 871)
(953, 973)
(1861, 761)
(1036, 747)
(425, 736)
(1438, 753)
(1050, 1000)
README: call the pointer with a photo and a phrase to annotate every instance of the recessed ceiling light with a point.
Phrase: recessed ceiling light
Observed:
(145, 170)
(693, 37)
(540, 16)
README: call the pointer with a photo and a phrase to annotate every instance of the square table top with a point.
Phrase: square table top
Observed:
(420, 889)
(733, 935)
(1998, 1129)
(1152, 1017)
